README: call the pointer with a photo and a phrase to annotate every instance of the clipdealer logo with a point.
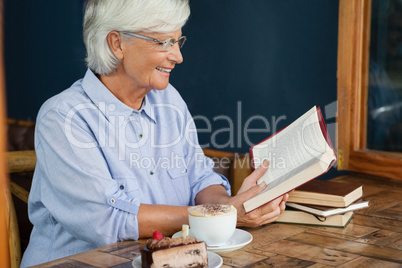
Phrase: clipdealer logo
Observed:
(111, 129)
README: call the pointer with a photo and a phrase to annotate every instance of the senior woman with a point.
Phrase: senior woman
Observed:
(118, 155)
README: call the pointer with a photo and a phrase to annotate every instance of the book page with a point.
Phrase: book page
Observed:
(300, 143)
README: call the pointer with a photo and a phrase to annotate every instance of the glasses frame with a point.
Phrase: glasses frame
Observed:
(164, 43)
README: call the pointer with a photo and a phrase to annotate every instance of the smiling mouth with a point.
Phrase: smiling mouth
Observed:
(163, 70)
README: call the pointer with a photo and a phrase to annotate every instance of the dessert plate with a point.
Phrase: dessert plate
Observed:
(214, 261)
(239, 239)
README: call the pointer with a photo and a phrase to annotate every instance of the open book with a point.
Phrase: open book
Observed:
(297, 154)
(324, 211)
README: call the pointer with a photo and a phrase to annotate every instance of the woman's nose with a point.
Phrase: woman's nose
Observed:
(175, 54)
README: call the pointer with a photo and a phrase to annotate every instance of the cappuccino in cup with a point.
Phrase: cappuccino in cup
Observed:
(213, 223)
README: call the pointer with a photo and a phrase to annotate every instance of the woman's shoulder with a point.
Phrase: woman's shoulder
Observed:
(64, 101)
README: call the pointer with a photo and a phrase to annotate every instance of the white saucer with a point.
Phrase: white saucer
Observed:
(214, 261)
(239, 239)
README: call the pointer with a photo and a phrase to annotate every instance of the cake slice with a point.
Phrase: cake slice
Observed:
(174, 252)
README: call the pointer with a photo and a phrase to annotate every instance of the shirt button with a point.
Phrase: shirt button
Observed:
(112, 201)
(140, 136)
(121, 187)
(152, 173)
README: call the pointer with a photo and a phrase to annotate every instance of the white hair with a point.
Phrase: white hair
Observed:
(103, 16)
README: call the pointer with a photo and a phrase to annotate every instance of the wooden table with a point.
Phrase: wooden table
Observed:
(373, 238)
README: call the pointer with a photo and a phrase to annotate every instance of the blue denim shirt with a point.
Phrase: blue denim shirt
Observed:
(98, 160)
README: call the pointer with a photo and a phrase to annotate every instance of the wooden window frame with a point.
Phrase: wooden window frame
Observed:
(353, 63)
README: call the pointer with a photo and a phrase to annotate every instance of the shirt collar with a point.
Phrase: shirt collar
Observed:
(107, 103)
(147, 108)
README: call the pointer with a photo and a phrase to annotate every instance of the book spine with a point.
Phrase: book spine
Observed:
(323, 127)
(252, 157)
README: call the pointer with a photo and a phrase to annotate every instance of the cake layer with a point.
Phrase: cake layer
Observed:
(191, 255)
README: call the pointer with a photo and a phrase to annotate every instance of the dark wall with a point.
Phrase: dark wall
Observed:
(261, 61)
(44, 52)
(246, 58)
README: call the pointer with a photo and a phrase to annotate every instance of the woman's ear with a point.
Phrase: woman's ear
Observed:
(115, 43)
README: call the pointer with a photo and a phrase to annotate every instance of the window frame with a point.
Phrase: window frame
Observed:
(352, 74)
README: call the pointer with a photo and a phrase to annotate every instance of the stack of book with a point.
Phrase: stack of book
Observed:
(325, 203)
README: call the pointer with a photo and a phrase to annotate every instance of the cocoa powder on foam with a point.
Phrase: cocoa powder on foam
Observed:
(210, 210)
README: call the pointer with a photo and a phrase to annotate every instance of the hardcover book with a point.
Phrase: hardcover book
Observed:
(297, 154)
(327, 193)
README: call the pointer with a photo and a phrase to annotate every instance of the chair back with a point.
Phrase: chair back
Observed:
(234, 166)
(13, 232)
(10, 253)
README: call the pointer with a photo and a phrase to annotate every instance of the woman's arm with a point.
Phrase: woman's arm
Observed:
(166, 219)
(262, 215)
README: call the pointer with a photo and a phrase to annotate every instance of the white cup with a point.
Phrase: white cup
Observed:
(215, 224)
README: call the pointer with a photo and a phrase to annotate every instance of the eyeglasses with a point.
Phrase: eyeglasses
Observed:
(166, 44)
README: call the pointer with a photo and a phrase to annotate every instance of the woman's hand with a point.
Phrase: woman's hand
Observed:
(262, 215)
